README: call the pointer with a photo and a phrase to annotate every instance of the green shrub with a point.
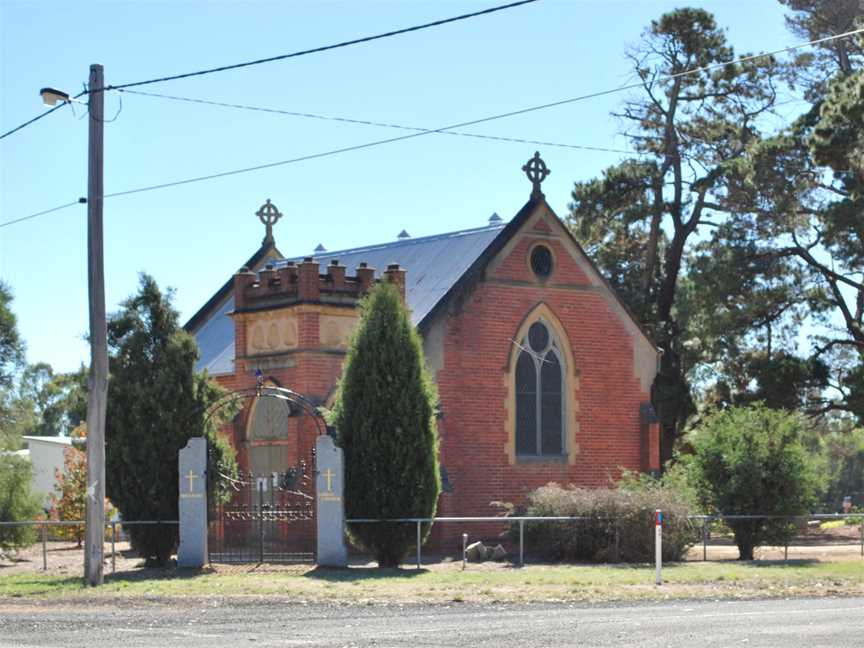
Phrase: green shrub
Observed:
(619, 525)
(750, 461)
(17, 503)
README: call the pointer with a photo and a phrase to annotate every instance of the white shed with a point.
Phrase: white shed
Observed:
(46, 455)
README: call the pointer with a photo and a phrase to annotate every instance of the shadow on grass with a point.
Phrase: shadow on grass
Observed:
(792, 562)
(350, 574)
(156, 573)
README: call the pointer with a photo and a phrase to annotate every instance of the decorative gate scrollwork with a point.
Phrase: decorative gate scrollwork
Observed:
(264, 517)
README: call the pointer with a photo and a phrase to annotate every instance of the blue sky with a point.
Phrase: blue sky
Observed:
(194, 237)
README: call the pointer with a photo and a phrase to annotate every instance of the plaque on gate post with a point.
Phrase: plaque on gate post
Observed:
(192, 462)
(330, 516)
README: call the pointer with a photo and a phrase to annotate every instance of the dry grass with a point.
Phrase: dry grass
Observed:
(447, 582)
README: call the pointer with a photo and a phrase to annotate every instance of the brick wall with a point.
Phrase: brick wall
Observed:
(474, 376)
(475, 380)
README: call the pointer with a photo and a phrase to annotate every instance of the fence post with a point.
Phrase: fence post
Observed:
(418, 544)
(260, 521)
(521, 543)
(862, 537)
(617, 540)
(704, 539)
(113, 547)
(464, 550)
(658, 545)
(44, 547)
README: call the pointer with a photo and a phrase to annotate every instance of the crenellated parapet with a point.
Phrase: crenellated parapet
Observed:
(304, 283)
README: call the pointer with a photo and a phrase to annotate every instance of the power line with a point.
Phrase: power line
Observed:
(473, 122)
(314, 50)
(412, 135)
(364, 122)
(325, 48)
(42, 213)
(44, 114)
(31, 121)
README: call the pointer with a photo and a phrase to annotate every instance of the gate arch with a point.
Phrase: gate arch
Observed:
(267, 517)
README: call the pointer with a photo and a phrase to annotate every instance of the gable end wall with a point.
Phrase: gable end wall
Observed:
(471, 352)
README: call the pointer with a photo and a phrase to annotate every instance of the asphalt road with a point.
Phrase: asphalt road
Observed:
(212, 623)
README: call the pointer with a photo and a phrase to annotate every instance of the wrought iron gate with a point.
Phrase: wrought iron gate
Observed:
(263, 517)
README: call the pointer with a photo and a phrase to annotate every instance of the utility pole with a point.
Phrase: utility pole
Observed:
(98, 381)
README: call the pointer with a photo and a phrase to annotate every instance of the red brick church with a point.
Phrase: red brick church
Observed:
(543, 373)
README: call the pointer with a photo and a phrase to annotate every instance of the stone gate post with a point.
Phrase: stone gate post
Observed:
(330, 513)
(192, 461)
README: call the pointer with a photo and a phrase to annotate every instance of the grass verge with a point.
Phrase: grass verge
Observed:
(447, 582)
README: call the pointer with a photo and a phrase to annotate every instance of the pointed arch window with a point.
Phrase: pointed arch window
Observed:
(539, 394)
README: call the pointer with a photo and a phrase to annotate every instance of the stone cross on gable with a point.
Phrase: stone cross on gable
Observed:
(536, 170)
(269, 215)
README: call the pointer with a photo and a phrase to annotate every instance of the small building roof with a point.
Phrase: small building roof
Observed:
(59, 440)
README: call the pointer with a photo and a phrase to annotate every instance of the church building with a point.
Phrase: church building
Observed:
(543, 373)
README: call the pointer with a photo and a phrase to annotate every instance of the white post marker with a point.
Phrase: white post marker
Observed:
(658, 545)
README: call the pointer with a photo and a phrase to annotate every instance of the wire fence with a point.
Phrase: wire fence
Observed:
(613, 539)
(610, 539)
(115, 536)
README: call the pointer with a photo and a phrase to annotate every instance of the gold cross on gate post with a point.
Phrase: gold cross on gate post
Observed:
(191, 477)
(328, 475)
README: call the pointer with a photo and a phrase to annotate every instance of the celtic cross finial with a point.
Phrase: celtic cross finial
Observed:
(269, 215)
(536, 170)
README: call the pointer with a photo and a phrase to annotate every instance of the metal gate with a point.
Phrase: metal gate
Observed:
(263, 517)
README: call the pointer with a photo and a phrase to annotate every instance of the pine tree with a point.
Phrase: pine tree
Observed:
(156, 402)
(385, 420)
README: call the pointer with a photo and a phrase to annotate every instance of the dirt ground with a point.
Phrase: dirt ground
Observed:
(841, 543)
(65, 557)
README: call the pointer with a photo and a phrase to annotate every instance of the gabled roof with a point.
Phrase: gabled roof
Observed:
(439, 268)
(433, 264)
(475, 271)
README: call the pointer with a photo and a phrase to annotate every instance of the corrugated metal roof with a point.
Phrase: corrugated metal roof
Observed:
(433, 265)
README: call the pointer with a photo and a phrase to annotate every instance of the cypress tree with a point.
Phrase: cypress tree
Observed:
(156, 402)
(385, 419)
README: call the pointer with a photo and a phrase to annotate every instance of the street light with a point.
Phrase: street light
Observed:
(94, 533)
(52, 96)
